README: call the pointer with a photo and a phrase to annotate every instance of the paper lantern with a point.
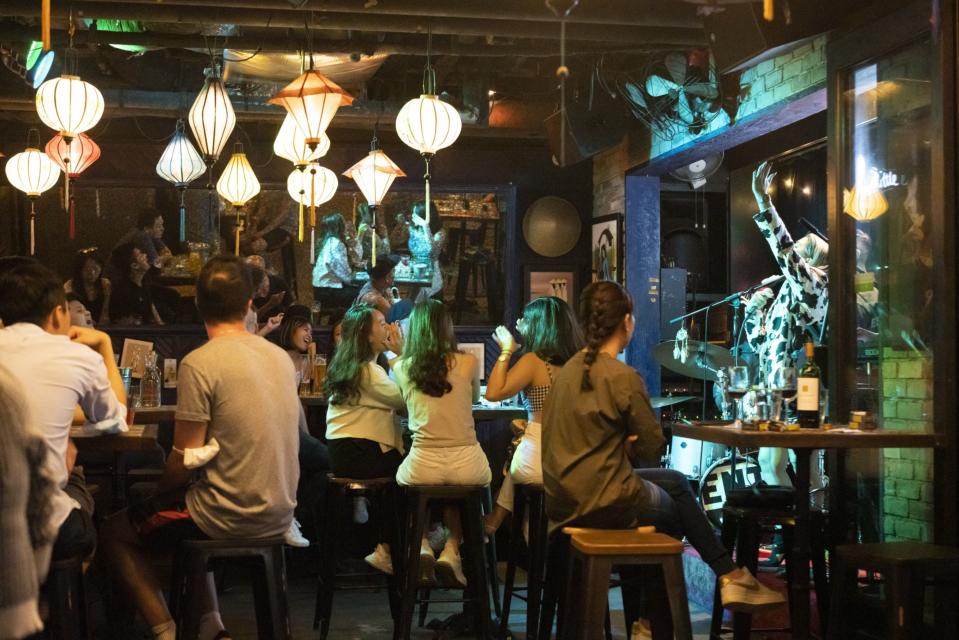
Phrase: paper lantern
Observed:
(311, 187)
(312, 100)
(212, 117)
(238, 185)
(73, 157)
(864, 203)
(180, 164)
(428, 124)
(69, 105)
(374, 175)
(32, 172)
(290, 144)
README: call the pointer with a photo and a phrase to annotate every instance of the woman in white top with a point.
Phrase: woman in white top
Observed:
(332, 275)
(362, 433)
(440, 386)
(551, 336)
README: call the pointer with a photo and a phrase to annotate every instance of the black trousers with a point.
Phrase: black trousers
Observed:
(363, 459)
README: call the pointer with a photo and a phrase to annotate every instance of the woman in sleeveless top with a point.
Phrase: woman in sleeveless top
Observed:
(551, 336)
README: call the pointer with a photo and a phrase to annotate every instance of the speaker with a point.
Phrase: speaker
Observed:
(739, 36)
(589, 128)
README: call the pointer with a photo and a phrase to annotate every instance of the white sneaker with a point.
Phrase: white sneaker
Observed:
(361, 510)
(380, 559)
(449, 569)
(427, 564)
(294, 537)
(748, 595)
(641, 630)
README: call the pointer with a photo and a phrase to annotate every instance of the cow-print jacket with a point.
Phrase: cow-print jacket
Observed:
(776, 330)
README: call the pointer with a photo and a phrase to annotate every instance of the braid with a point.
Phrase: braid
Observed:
(603, 306)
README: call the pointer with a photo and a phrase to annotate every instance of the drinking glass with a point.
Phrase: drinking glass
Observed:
(784, 386)
(319, 373)
(738, 377)
(305, 371)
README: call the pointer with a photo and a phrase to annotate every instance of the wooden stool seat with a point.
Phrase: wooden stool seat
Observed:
(359, 484)
(624, 542)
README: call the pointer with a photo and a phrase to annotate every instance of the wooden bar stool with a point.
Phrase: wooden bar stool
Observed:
(67, 600)
(593, 552)
(340, 491)
(263, 556)
(471, 500)
(905, 567)
(535, 497)
(742, 527)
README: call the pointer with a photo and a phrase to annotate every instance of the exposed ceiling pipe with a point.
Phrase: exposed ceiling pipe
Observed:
(656, 13)
(281, 42)
(357, 22)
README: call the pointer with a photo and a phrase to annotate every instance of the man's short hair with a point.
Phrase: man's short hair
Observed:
(223, 288)
(147, 218)
(29, 291)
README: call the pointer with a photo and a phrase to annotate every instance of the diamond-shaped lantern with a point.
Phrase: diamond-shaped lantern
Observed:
(180, 164)
(238, 185)
(374, 175)
(312, 100)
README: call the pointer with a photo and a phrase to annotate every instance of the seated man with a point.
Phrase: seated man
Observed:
(132, 300)
(237, 429)
(61, 367)
(148, 238)
(379, 292)
(278, 290)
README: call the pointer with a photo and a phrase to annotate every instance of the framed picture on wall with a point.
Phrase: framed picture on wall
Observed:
(478, 350)
(542, 282)
(606, 249)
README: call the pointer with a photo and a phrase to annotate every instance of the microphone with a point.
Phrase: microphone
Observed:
(771, 280)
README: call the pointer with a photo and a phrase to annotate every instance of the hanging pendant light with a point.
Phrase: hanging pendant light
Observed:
(428, 124)
(865, 200)
(312, 100)
(290, 144)
(238, 185)
(73, 158)
(212, 117)
(374, 175)
(311, 187)
(180, 164)
(32, 172)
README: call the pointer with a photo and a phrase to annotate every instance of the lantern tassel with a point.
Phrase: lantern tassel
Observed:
(373, 236)
(299, 232)
(236, 233)
(33, 231)
(312, 245)
(426, 179)
(73, 223)
(768, 10)
(182, 216)
(313, 197)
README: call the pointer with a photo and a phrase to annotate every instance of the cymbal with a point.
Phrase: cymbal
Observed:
(659, 403)
(703, 361)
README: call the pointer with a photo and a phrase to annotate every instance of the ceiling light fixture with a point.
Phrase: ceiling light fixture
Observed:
(32, 172)
(374, 175)
(180, 164)
(73, 158)
(238, 185)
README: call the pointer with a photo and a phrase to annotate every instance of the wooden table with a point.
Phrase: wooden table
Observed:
(154, 415)
(803, 442)
(140, 437)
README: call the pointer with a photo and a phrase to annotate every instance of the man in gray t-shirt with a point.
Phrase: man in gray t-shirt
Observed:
(233, 470)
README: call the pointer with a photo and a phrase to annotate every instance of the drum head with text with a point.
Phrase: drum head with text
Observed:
(717, 482)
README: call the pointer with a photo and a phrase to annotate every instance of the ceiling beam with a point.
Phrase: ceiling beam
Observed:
(279, 40)
(503, 28)
(647, 13)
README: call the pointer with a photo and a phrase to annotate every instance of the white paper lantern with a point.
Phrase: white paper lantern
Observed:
(180, 163)
(69, 105)
(290, 144)
(428, 124)
(238, 184)
(313, 186)
(33, 172)
(374, 175)
(212, 118)
(312, 100)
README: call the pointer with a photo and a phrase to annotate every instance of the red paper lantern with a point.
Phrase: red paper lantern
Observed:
(73, 158)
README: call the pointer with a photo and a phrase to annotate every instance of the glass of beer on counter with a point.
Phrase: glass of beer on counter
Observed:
(303, 374)
(319, 373)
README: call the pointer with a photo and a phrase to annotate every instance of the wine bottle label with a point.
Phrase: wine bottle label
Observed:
(807, 397)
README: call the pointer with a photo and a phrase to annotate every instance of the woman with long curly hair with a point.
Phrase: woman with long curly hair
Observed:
(361, 431)
(440, 385)
(596, 423)
(551, 336)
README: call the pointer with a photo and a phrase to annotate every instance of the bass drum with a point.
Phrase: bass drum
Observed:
(718, 481)
(691, 457)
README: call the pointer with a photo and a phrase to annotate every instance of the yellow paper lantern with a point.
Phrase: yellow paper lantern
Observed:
(238, 185)
(864, 203)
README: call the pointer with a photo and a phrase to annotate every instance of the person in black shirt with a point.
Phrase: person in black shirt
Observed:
(132, 303)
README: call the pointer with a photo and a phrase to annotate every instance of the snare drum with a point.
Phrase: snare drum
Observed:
(690, 457)
(718, 480)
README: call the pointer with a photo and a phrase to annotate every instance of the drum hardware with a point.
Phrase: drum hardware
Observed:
(660, 402)
(704, 362)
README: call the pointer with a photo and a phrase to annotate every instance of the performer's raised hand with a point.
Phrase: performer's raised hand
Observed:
(763, 178)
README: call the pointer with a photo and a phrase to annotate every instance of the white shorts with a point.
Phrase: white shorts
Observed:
(445, 465)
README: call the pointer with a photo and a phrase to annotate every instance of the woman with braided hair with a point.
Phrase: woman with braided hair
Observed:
(596, 423)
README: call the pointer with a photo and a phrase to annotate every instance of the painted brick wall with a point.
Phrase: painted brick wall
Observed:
(907, 502)
(609, 172)
(770, 81)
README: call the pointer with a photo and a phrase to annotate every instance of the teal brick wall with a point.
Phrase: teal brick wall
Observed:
(770, 81)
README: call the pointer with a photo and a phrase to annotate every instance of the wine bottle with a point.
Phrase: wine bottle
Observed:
(807, 398)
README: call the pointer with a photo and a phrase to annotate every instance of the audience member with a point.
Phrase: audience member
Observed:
(237, 418)
(147, 236)
(278, 288)
(63, 366)
(362, 433)
(596, 422)
(551, 336)
(440, 385)
(79, 315)
(295, 336)
(27, 487)
(379, 291)
(132, 300)
(90, 286)
(332, 275)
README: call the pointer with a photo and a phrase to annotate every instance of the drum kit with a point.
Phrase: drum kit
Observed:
(708, 464)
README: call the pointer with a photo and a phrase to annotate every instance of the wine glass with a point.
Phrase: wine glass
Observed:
(784, 386)
(738, 378)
